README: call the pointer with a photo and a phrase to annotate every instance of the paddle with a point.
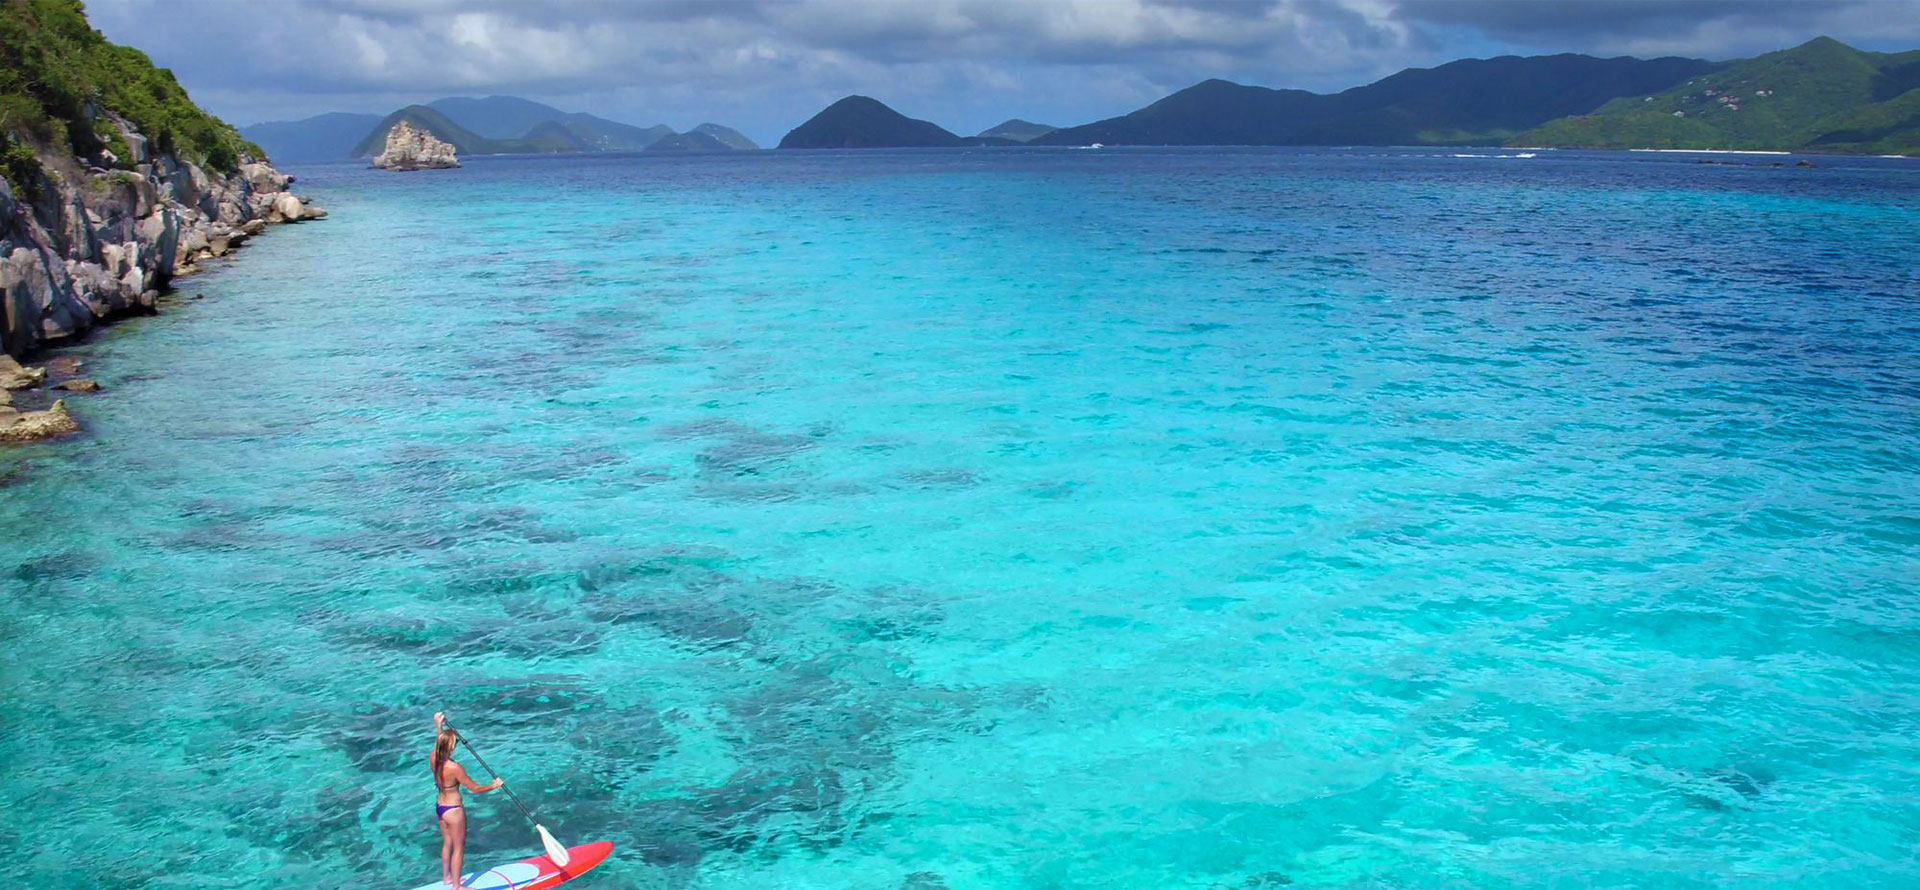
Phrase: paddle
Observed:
(556, 851)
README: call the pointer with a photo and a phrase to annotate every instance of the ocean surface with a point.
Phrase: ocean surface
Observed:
(1221, 519)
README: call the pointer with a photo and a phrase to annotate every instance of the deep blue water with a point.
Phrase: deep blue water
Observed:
(1000, 519)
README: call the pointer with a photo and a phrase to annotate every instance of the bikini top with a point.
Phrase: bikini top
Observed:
(440, 768)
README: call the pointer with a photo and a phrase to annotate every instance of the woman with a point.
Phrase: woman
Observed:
(447, 779)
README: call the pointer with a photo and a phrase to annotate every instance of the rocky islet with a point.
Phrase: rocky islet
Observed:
(409, 148)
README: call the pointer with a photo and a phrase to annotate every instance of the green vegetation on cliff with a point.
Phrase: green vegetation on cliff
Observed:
(1822, 96)
(57, 74)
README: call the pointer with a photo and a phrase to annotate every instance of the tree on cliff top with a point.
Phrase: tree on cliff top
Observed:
(56, 73)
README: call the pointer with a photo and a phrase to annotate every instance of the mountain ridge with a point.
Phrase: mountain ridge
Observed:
(866, 122)
(1822, 95)
(491, 125)
(1467, 101)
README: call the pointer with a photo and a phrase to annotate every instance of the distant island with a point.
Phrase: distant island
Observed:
(704, 138)
(1017, 130)
(490, 125)
(1820, 96)
(865, 122)
(1469, 102)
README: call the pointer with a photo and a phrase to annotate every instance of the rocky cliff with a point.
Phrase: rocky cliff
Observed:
(86, 243)
(87, 240)
(113, 183)
(414, 149)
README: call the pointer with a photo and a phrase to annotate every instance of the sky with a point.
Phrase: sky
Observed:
(764, 66)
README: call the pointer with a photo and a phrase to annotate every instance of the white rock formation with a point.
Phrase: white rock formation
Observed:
(411, 149)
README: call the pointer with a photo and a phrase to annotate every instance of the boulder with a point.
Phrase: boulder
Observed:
(78, 384)
(32, 426)
(194, 242)
(262, 178)
(288, 207)
(15, 376)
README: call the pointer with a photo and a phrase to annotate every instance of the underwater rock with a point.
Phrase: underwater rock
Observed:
(379, 738)
(33, 426)
(735, 810)
(1265, 881)
(702, 625)
(539, 696)
(941, 478)
(746, 454)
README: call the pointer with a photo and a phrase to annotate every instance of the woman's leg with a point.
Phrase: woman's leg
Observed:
(446, 852)
(457, 826)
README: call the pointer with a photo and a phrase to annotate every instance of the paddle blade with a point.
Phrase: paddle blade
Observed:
(556, 851)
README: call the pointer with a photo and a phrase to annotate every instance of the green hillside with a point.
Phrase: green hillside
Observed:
(1017, 130)
(692, 141)
(53, 65)
(1821, 95)
(463, 140)
(551, 136)
(1466, 102)
(728, 136)
(600, 134)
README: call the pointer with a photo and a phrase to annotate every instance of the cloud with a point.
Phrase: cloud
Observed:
(1710, 28)
(765, 65)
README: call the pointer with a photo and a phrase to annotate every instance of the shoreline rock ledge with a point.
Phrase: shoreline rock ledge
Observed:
(114, 185)
(415, 149)
(90, 240)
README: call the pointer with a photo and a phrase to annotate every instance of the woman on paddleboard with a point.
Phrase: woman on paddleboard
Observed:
(447, 779)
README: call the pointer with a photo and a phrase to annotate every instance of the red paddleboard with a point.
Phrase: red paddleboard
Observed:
(537, 873)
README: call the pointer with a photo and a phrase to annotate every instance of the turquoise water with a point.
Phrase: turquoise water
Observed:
(1138, 519)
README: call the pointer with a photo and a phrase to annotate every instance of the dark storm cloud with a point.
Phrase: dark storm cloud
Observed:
(765, 65)
(1587, 19)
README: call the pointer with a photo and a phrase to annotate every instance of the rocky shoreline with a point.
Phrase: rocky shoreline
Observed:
(91, 240)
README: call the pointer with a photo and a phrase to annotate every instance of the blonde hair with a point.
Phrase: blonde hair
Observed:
(443, 751)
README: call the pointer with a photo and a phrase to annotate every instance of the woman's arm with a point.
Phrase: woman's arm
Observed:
(460, 775)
